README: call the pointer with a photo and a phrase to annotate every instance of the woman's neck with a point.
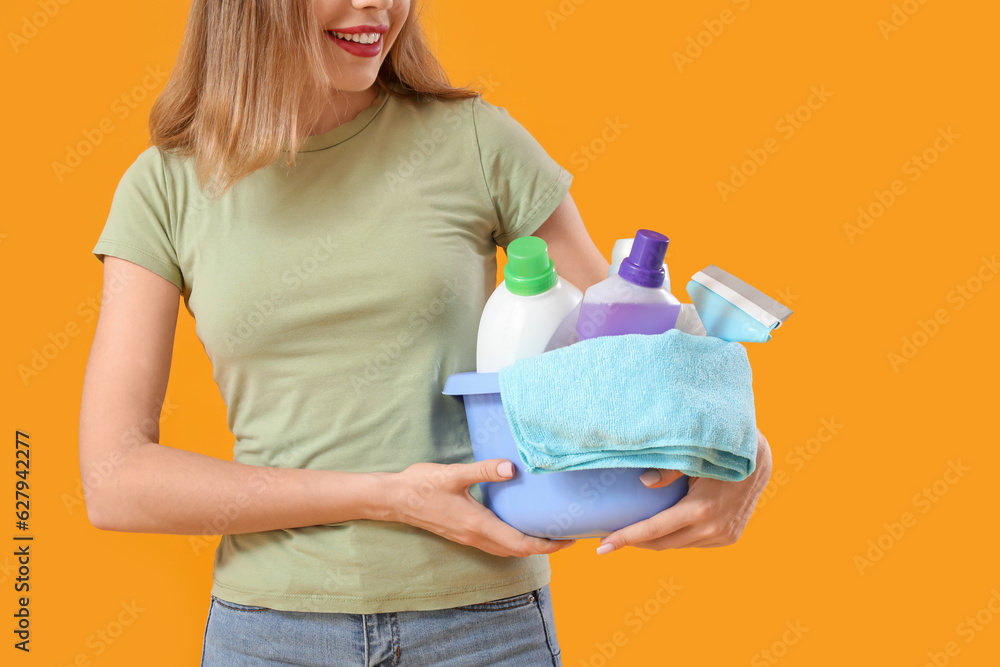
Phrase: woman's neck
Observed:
(341, 107)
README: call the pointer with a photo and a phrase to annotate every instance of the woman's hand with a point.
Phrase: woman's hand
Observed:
(436, 497)
(712, 514)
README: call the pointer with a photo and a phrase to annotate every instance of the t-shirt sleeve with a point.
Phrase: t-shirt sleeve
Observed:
(524, 182)
(138, 228)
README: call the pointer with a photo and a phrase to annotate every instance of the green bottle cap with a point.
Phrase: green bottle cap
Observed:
(529, 270)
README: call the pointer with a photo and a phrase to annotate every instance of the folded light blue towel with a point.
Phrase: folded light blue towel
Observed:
(671, 400)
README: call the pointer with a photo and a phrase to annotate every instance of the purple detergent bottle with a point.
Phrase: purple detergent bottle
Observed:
(634, 300)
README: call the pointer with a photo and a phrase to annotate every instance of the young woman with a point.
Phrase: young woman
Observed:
(328, 208)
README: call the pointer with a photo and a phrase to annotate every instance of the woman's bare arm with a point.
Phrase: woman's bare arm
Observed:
(576, 257)
(140, 485)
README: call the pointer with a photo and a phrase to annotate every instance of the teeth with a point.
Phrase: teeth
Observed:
(360, 38)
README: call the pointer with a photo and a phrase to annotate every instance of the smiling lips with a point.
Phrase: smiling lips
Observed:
(361, 40)
(360, 37)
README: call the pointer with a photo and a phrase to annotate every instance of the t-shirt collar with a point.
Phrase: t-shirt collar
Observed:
(346, 130)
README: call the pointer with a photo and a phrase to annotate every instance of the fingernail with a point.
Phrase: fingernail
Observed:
(506, 469)
(650, 477)
(605, 549)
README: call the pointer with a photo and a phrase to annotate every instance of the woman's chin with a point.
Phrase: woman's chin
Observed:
(355, 82)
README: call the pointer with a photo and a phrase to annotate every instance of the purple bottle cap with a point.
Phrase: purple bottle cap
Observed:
(644, 265)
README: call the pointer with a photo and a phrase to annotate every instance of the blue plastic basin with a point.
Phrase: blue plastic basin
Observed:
(571, 504)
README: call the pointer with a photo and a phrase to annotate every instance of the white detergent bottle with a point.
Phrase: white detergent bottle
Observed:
(634, 300)
(530, 312)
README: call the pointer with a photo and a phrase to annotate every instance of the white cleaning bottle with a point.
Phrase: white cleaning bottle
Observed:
(530, 312)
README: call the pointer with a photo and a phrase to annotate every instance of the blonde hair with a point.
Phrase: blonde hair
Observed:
(247, 72)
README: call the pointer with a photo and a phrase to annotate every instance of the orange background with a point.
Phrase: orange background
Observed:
(565, 70)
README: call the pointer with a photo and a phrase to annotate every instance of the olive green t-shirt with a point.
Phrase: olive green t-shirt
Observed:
(333, 299)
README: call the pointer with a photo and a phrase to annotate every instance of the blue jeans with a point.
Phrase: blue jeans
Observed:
(515, 631)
